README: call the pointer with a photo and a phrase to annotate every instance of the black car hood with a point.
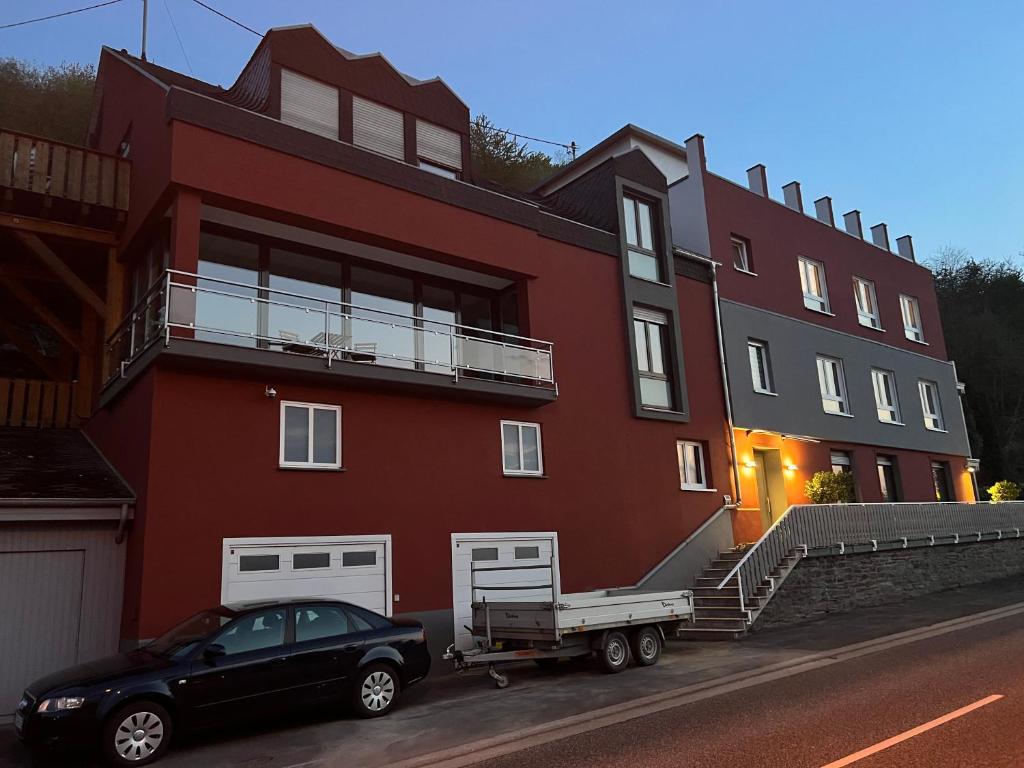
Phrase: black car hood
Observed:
(107, 670)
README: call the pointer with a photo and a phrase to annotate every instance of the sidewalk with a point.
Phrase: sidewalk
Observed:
(448, 711)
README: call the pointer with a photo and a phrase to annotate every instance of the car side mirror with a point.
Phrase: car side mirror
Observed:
(214, 651)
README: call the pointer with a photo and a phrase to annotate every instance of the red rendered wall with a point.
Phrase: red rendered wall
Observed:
(778, 235)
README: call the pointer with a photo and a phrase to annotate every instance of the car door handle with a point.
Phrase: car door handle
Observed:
(279, 661)
(351, 647)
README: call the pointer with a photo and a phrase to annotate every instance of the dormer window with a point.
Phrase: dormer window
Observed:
(638, 219)
(438, 149)
(309, 104)
(378, 128)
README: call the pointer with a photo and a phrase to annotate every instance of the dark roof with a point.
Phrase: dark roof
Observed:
(58, 464)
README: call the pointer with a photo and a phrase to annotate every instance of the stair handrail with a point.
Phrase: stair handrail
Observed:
(749, 553)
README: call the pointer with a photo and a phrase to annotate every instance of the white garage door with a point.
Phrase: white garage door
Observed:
(482, 560)
(356, 569)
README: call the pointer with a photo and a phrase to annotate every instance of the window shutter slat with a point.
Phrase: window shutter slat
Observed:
(438, 145)
(378, 128)
(308, 104)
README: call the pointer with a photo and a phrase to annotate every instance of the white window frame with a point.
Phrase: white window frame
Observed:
(878, 377)
(840, 396)
(839, 458)
(539, 472)
(638, 204)
(812, 300)
(645, 352)
(744, 255)
(933, 420)
(864, 293)
(766, 364)
(687, 483)
(910, 310)
(310, 407)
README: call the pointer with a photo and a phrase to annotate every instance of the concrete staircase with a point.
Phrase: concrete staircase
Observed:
(717, 614)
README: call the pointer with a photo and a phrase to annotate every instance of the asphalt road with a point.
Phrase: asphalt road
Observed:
(814, 719)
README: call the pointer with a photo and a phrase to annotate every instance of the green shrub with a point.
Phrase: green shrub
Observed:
(827, 487)
(1004, 490)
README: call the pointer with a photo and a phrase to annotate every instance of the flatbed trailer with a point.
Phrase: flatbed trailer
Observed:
(614, 624)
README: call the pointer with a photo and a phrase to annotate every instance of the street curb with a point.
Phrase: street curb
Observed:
(514, 741)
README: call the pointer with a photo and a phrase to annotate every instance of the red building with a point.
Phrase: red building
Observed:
(351, 367)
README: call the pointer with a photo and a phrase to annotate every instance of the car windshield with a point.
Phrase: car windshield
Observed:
(183, 639)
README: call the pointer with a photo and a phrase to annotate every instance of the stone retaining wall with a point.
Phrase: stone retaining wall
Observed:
(836, 583)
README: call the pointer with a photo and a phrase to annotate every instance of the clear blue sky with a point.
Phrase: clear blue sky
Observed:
(910, 111)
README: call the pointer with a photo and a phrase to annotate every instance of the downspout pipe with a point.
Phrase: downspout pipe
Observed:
(738, 494)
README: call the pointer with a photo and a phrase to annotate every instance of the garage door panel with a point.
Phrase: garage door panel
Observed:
(41, 617)
(354, 571)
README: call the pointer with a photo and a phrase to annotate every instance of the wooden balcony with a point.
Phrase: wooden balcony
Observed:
(72, 189)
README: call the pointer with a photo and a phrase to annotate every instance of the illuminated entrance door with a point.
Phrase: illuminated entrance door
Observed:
(771, 485)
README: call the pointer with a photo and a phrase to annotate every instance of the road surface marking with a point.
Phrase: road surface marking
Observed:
(891, 742)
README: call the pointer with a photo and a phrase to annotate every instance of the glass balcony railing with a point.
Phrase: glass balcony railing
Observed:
(189, 306)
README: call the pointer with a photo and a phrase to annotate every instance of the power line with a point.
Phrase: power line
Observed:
(225, 16)
(180, 44)
(571, 147)
(58, 15)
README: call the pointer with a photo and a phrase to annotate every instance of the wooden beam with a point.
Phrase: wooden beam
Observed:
(27, 347)
(57, 228)
(27, 272)
(55, 264)
(115, 298)
(87, 359)
(40, 310)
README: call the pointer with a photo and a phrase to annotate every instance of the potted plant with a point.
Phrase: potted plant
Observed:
(830, 487)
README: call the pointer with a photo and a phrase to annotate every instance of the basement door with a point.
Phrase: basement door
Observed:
(503, 567)
(356, 569)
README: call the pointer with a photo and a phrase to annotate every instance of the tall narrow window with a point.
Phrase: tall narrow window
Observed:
(832, 383)
(867, 303)
(310, 436)
(741, 255)
(760, 367)
(641, 241)
(886, 400)
(887, 482)
(650, 330)
(930, 405)
(692, 474)
(842, 464)
(912, 327)
(521, 449)
(812, 283)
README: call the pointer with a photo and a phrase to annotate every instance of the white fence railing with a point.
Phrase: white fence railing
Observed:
(843, 526)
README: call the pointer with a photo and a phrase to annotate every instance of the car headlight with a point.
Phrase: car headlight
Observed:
(62, 703)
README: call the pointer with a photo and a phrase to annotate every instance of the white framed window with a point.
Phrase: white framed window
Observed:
(832, 383)
(812, 283)
(650, 331)
(741, 255)
(912, 327)
(841, 462)
(641, 247)
(930, 405)
(521, 451)
(867, 303)
(886, 400)
(760, 367)
(692, 473)
(310, 436)
(441, 148)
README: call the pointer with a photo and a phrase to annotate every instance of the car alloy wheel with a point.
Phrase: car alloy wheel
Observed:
(377, 691)
(138, 736)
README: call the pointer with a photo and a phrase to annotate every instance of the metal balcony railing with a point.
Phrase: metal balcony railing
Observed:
(843, 527)
(63, 171)
(187, 305)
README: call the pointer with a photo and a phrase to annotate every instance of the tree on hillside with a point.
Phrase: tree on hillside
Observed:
(501, 158)
(53, 102)
(982, 306)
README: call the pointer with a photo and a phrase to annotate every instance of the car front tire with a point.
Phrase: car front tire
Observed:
(136, 734)
(376, 690)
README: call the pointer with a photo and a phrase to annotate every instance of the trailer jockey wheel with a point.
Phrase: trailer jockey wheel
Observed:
(499, 679)
(615, 653)
(646, 643)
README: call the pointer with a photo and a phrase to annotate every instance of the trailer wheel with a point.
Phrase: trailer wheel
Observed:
(646, 646)
(614, 653)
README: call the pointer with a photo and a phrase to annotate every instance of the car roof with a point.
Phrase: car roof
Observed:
(253, 605)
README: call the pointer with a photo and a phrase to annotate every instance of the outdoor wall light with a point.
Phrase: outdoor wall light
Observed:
(792, 467)
(270, 392)
(749, 463)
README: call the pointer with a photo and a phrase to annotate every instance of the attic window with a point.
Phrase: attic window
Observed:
(309, 104)
(438, 147)
(378, 128)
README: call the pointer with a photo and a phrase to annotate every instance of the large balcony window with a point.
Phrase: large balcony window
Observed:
(263, 295)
